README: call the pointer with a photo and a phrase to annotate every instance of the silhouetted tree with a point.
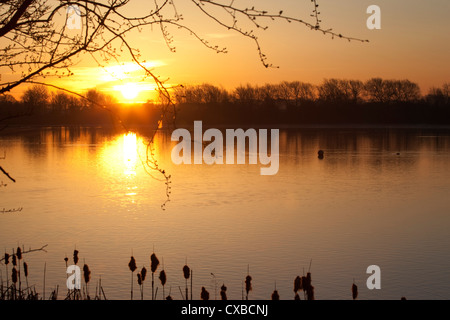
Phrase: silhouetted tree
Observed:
(36, 98)
(439, 96)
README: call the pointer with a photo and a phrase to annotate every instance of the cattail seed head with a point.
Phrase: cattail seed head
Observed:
(248, 283)
(19, 253)
(275, 295)
(14, 260)
(75, 256)
(186, 272)
(7, 258)
(14, 275)
(86, 273)
(223, 292)
(205, 294)
(139, 279)
(143, 273)
(155, 262)
(354, 291)
(132, 264)
(66, 259)
(297, 284)
(25, 269)
(162, 277)
(306, 283)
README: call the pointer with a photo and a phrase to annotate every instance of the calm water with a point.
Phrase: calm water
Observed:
(363, 204)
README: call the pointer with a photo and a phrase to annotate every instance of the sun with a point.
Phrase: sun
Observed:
(129, 90)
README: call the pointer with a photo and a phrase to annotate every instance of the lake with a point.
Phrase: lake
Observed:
(379, 197)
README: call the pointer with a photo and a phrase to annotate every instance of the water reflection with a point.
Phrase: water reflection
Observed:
(129, 142)
(362, 204)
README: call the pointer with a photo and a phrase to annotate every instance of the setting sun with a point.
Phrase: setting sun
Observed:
(129, 90)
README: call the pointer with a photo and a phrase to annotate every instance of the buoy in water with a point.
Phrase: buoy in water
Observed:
(320, 153)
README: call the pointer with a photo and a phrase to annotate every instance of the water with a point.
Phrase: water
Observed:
(379, 197)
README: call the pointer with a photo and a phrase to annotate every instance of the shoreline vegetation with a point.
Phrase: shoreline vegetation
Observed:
(17, 287)
(334, 103)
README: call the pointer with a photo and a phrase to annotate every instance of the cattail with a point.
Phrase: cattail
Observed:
(248, 284)
(86, 273)
(14, 275)
(306, 281)
(143, 273)
(14, 260)
(75, 256)
(132, 264)
(87, 277)
(297, 284)
(141, 278)
(187, 274)
(155, 262)
(162, 277)
(204, 294)
(6, 258)
(154, 265)
(66, 260)
(25, 269)
(275, 295)
(19, 253)
(354, 291)
(223, 292)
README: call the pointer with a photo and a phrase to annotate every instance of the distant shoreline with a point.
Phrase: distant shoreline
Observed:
(18, 129)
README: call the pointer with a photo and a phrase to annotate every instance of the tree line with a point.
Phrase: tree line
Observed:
(334, 101)
(38, 105)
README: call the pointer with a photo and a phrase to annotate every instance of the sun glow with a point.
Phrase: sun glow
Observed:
(129, 90)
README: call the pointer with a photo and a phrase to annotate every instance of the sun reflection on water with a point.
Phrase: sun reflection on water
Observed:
(130, 153)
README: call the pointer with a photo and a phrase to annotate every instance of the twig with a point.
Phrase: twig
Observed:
(7, 174)
(31, 250)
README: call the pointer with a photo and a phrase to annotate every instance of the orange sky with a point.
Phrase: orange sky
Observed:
(414, 43)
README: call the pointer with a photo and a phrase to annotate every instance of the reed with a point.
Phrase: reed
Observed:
(354, 291)
(132, 266)
(163, 279)
(154, 265)
(248, 282)
(6, 259)
(75, 256)
(19, 257)
(204, 295)
(297, 287)
(25, 271)
(248, 285)
(275, 295)
(186, 274)
(223, 292)
(14, 281)
(143, 276)
(87, 278)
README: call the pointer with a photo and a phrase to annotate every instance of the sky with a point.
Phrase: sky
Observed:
(413, 43)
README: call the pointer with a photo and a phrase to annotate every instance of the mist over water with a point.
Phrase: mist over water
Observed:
(379, 196)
